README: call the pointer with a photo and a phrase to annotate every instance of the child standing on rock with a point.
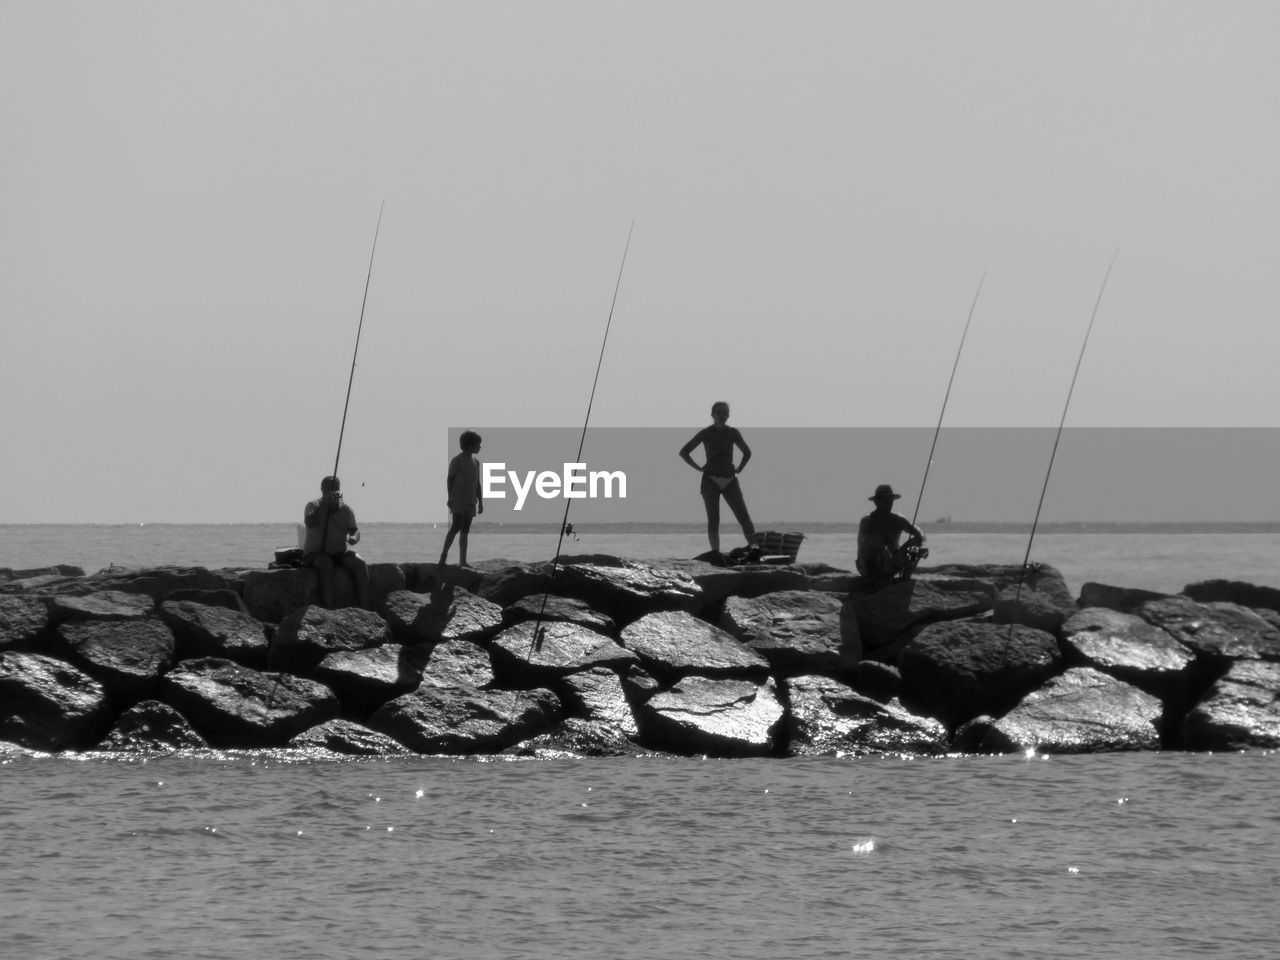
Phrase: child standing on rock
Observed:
(465, 502)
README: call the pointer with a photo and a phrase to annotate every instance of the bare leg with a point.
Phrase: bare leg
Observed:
(464, 528)
(733, 497)
(324, 578)
(448, 540)
(711, 500)
(360, 574)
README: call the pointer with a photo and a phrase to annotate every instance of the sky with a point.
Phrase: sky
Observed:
(189, 193)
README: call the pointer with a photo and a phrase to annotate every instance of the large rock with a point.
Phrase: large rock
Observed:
(47, 704)
(152, 726)
(625, 589)
(1129, 648)
(542, 606)
(886, 617)
(597, 694)
(675, 644)
(457, 720)
(1234, 591)
(458, 663)
(1080, 711)
(724, 718)
(366, 679)
(564, 648)
(272, 595)
(307, 636)
(201, 630)
(155, 582)
(1218, 632)
(828, 716)
(348, 738)
(955, 671)
(236, 706)
(1041, 600)
(576, 737)
(719, 583)
(1241, 710)
(447, 613)
(107, 605)
(1120, 599)
(57, 570)
(505, 583)
(797, 631)
(24, 622)
(126, 656)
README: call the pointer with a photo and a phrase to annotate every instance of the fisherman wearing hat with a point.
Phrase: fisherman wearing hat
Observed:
(880, 558)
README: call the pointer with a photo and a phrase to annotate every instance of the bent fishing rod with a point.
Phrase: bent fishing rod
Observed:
(356, 352)
(943, 412)
(1022, 573)
(535, 642)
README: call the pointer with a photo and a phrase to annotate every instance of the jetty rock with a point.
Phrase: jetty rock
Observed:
(603, 656)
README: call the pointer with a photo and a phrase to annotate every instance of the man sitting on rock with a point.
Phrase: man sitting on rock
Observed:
(331, 526)
(880, 558)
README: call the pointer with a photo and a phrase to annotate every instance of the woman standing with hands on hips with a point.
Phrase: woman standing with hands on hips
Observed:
(719, 475)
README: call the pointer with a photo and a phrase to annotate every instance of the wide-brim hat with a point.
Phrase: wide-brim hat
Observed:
(884, 492)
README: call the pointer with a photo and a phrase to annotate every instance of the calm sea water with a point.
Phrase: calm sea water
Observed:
(1143, 856)
(260, 855)
(1156, 561)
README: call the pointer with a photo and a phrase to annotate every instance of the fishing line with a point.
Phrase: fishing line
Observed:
(942, 413)
(1022, 573)
(359, 328)
(536, 641)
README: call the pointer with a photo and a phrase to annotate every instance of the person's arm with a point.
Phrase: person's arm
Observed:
(746, 451)
(688, 449)
(915, 536)
(479, 491)
(353, 530)
(448, 481)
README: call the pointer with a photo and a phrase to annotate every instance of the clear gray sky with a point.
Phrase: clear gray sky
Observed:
(188, 193)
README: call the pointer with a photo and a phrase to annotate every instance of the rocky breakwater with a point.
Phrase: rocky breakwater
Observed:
(609, 656)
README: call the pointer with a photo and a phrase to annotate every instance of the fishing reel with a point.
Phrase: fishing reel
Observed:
(914, 554)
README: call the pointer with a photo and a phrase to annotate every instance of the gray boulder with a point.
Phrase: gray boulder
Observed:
(107, 605)
(718, 583)
(723, 718)
(797, 631)
(126, 656)
(47, 704)
(1120, 599)
(347, 738)
(1234, 591)
(24, 622)
(151, 726)
(625, 589)
(201, 630)
(307, 636)
(881, 682)
(366, 679)
(885, 618)
(1130, 649)
(955, 671)
(576, 737)
(675, 643)
(1241, 710)
(446, 613)
(565, 648)
(458, 720)
(597, 694)
(828, 716)
(272, 595)
(1042, 600)
(1080, 711)
(236, 706)
(542, 606)
(1218, 632)
(458, 663)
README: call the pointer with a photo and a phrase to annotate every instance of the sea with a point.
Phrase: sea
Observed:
(271, 854)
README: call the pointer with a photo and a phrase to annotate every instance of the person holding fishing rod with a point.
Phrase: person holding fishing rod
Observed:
(331, 528)
(719, 475)
(880, 558)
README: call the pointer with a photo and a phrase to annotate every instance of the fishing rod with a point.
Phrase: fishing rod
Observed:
(1022, 573)
(943, 412)
(359, 328)
(535, 643)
